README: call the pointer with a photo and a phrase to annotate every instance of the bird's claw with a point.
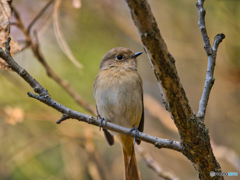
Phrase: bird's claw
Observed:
(136, 133)
(102, 119)
(98, 116)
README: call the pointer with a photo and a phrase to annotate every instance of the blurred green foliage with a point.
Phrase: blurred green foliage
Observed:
(37, 148)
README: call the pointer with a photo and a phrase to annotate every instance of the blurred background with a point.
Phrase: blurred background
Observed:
(33, 146)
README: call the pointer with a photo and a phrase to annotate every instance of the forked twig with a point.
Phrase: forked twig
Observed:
(211, 53)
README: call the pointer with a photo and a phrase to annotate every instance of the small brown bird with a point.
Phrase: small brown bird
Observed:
(119, 99)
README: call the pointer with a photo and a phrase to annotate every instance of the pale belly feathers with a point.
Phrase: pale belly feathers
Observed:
(119, 98)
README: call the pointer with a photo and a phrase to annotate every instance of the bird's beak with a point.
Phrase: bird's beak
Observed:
(136, 54)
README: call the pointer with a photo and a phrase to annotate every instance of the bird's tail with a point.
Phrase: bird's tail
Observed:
(130, 166)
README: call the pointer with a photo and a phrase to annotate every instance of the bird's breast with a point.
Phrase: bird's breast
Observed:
(118, 94)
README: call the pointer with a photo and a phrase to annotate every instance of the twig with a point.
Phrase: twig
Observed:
(67, 113)
(95, 164)
(39, 15)
(36, 51)
(211, 53)
(45, 22)
(154, 165)
(194, 135)
(202, 27)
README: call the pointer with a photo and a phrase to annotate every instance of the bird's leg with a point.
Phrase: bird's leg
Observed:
(136, 133)
(102, 119)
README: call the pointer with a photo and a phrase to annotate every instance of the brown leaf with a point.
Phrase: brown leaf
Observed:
(3, 65)
(5, 14)
(14, 47)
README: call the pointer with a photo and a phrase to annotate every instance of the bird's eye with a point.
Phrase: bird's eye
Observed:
(119, 57)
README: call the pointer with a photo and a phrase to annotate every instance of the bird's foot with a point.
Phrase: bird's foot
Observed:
(136, 133)
(102, 119)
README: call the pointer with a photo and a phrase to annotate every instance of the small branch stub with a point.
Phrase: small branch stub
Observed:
(217, 40)
(7, 46)
(63, 118)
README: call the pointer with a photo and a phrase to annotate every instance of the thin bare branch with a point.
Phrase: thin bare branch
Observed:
(202, 26)
(39, 15)
(95, 162)
(36, 51)
(67, 113)
(217, 40)
(154, 165)
(211, 53)
(45, 22)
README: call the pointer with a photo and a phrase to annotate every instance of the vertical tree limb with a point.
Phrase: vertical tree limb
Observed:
(193, 133)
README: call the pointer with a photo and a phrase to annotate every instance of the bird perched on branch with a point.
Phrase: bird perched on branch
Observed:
(119, 99)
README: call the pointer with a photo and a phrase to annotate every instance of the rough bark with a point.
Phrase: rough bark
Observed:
(194, 135)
